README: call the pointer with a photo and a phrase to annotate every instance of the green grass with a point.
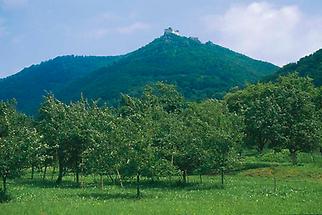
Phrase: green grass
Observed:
(299, 191)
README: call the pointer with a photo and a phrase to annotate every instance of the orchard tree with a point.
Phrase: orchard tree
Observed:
(260, 111)
(216, 135)
(298, 119)
(280, 115)
(77, 134)
(165, 105)
(17, 139)
(37, 151)
(67, 130)
(53, 126)
(106, 153)
(138, 132)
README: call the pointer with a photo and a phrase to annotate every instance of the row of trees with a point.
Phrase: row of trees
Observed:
(158, 134)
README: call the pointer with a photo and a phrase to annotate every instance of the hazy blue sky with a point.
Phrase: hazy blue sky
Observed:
(31, 31)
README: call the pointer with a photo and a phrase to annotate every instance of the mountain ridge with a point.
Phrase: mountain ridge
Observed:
(165, 59)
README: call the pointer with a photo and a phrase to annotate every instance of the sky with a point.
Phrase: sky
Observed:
(277, 31)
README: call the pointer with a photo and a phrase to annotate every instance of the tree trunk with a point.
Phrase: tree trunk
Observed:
(184, 176)
(293, 157)
(119, 176)
(200, 177)
(222, 176)
(187, 176)
(101, 182)
(77, 176)
(138, 194)
(32, 171)
(4, 181)
(112, 179)
(44, 175)
(60, 171)
(53, 173)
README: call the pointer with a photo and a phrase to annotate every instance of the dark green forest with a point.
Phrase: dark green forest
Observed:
(29, 85)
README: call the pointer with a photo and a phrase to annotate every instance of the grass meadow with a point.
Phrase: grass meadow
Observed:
(282, 189)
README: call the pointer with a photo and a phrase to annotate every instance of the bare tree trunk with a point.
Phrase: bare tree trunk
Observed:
(119, 177)
(53, 173)
(187, 176)
(4, 181)
(222, 176)
(60, 172)
(293, 157)
(32, 171)
(111, 178)
(101, 182)
(138, 193)
(77, 176)
(184, 176)
(44, 175)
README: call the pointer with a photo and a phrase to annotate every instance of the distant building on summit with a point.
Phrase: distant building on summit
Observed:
(171, 31)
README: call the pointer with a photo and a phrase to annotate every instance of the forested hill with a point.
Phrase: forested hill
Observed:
(199, 70)
(29, 85)
(310, 65)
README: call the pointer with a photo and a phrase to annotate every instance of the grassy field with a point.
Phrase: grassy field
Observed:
(298, 191)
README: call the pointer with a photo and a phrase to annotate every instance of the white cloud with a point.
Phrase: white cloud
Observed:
(135, 27)
(264, 31)
(13, 4)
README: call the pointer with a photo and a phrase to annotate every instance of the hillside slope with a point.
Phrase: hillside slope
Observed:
(199, 70)
(310, 65)
(29, 85)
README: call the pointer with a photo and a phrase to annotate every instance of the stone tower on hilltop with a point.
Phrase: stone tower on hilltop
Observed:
(171, 31)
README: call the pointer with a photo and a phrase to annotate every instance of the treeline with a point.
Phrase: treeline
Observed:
(160, 133)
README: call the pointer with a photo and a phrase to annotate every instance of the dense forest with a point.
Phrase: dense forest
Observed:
(160, 133)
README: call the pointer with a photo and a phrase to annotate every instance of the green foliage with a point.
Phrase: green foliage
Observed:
(280, 115)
